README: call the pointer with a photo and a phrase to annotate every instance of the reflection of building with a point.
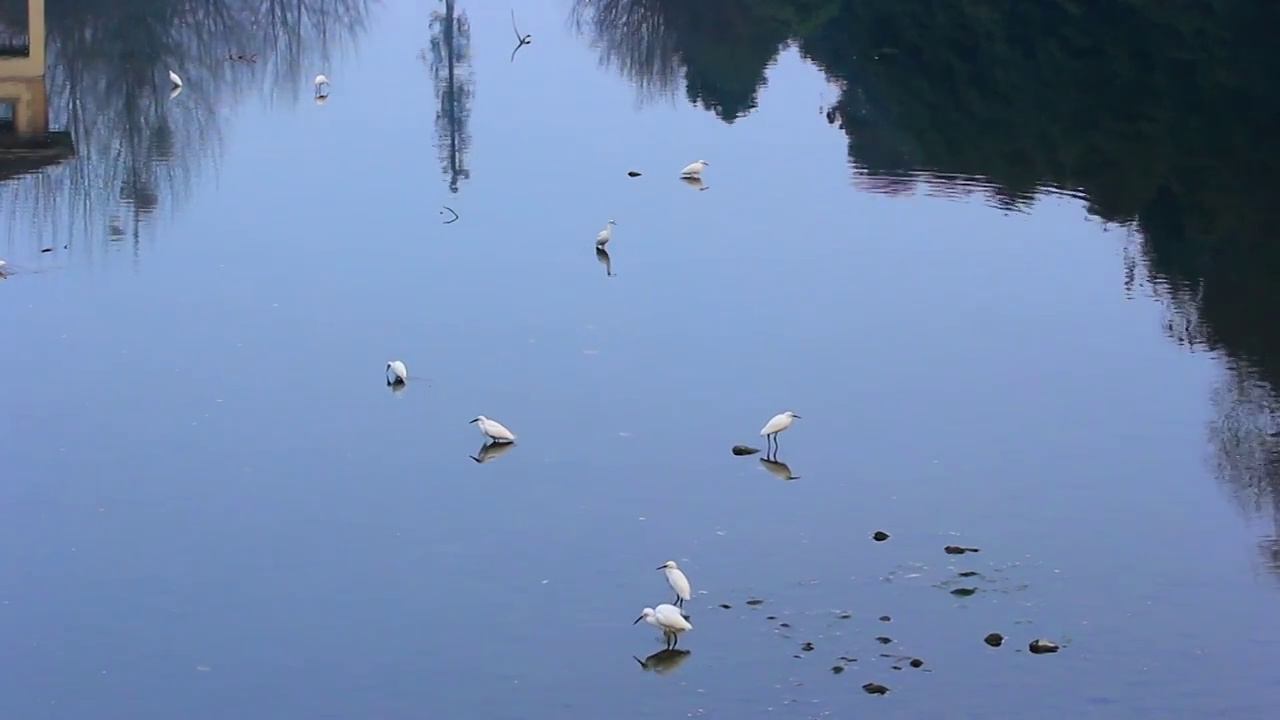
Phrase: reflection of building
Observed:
(26, 145)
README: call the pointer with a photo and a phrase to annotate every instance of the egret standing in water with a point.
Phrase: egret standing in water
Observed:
(399, 372)
(174, 79)
(322, 86)
(777, 424)
(693, 170)
(493, 429)
(678, 582)
(668, 619)
(605, 235)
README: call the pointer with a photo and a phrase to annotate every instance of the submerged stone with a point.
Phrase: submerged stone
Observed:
(875, 689)
(744, 450)
(880, 536)
(994, 639)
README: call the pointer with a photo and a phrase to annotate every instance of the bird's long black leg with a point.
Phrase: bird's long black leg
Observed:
(675, 638)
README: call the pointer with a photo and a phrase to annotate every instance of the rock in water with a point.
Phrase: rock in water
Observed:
(632, 173)
(880, 536)
(745, 450)
(875, 689)
(994, 639)
(1040, 647)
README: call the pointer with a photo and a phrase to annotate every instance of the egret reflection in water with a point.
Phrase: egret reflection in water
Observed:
(663, 661)
(778, 469)
(491, 451)
(602, 256)
(694, 182)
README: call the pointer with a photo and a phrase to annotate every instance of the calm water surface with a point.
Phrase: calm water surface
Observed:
(211, 505)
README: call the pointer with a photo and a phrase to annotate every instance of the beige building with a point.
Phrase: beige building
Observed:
(26, 144)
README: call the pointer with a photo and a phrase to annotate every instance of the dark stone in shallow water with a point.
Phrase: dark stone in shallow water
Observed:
(837, 669)
(964, 592)
(916, 662)
(958, 550)
(885, 618)
(807, 647)
(632, 173)
(755, 601)
(880, 536)
(726, 606)
(884, 640)
(1040, 647)
(744, 450)
(875, 689)
(994, 639)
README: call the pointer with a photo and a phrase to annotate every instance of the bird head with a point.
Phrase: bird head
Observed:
(792, 415)
(668, 565)
(477, 418)
(647, 612)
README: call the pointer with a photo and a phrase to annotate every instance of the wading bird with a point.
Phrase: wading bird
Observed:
(493, 429)
(777, 424)
(399, 372)
(694, 169)
(605, 235)
(678, 582)
(668, 619)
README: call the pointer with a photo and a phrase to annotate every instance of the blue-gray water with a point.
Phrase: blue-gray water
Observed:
(211, 505)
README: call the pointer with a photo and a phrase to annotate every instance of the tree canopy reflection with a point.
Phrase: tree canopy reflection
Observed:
(1160, 115)
(107, 80)
(449, 59)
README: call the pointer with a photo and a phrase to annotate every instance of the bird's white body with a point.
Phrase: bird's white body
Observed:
(605, 235)
(677, 580)
(397, 368)
(321, 80)
(668, 619)
(173, 78)
(322, 85)
(694, 169)
(493, 429)
(778, 423)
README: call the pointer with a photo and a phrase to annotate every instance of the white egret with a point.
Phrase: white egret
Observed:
(777, 424)
(678, 582)
(3, 272)
(694, 169)
(668, 619)
(398, 370)
(605, 235)
(173, 78)
(493, 429)
(322, 86)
